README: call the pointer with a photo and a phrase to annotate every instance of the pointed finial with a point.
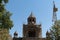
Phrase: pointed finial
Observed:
(31, 15)
(53, 2)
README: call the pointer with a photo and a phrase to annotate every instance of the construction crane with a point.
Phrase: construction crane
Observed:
(54, 13)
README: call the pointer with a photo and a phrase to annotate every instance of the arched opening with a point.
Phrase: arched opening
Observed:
(31, 34)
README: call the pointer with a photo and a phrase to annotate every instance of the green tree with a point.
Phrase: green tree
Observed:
(5, 21)
(2, 4)
(55, 30)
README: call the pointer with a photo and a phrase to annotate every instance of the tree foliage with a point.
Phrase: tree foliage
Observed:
(5, 1)
(55, 30)
(5, 21)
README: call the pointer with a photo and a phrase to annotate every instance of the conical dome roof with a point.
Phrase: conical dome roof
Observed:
(15, 33)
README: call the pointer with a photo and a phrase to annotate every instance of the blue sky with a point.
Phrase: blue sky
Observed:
(21, 9)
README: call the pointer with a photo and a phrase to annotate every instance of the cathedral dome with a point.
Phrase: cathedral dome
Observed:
(31, 19)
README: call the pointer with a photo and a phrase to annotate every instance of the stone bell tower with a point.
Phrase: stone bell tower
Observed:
(31, 30)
